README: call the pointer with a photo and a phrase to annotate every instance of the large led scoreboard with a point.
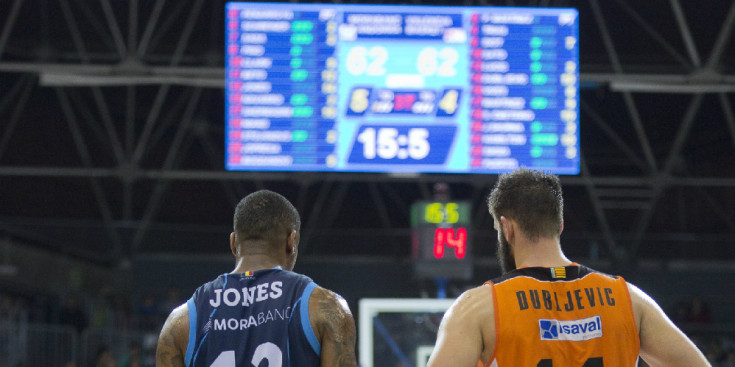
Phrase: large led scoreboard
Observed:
(373, 88)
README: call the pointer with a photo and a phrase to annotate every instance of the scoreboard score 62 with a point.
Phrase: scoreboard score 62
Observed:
(441, 239)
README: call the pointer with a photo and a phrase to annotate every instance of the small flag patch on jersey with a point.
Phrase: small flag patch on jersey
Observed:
(248, 273)
(558, 273)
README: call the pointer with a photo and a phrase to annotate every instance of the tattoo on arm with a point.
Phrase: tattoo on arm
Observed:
(336, 328)
(170, 350)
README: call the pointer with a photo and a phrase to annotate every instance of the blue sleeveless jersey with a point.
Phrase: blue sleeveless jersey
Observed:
(256, 319)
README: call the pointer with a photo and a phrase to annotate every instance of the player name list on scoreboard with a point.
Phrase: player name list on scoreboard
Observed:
(523, 91)
(401, 88)
(281, 81)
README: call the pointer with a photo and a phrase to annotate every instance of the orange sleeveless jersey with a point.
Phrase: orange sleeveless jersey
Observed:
(567, 316)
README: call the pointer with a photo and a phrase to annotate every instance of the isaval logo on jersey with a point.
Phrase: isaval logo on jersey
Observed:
(572, 330)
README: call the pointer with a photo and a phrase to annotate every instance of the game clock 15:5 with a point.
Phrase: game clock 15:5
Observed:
(385, 144)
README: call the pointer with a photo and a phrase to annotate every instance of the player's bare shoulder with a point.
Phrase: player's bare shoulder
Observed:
(475, 303)
(467, 330)
(330, 313)
(173, 340)
(333, 323)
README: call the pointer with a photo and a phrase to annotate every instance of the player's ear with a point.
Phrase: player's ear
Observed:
(561, 228)
(508, 228)
(233, 246)
(292, 242)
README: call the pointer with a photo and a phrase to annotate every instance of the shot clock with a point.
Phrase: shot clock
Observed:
(441, 236)
(400, 88)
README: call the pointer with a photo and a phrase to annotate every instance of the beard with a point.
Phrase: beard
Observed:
(505, 253)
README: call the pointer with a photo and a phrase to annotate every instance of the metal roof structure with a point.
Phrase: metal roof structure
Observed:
(112, 137)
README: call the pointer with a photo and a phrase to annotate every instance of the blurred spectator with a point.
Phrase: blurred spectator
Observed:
(696, 311)
(681, 313)
(70, 364)
(101, 309)
(132, 359)
(699, 312)
(713, 351)
(149, 305)
(148, 313)
(173, 300)
(103, 358)
(73, 314)
(123, 312)
(729, 360)
(38, 310)
(12, 310)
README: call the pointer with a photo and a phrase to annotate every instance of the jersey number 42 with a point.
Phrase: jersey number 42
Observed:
(267, 351)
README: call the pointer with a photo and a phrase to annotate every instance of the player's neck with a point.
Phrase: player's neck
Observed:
(545, 253)
(254, 263)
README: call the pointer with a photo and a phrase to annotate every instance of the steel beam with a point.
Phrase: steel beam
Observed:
(379, 204)
(212, 151)
(106, 116)
(605, 127)
(27, 87)
(686, 34)
(132, 30)
(76, 34)
(629, 102)
(149, 28)
(171, 158)
(729, 115)
(597, 208)
(114, 28)
(423, 179)
(307, 227)
(97, 26)
(153, 115)
(722, 39)
(97, 190)
(715, 207)
(653, 33)
(678, 144)
(213, 77)
(8, 26)
(186, 33)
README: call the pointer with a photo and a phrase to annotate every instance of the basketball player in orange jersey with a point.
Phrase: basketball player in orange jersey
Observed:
(546, 310)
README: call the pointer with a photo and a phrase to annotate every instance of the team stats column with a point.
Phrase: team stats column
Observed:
(524, 91)
(281, 87)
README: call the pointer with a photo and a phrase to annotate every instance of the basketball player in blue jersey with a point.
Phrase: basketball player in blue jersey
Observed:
(261, 314)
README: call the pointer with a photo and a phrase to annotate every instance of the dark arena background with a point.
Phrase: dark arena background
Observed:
(115, 203)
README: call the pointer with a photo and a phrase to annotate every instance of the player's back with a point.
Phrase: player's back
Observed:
(246, 319)
(567, 316)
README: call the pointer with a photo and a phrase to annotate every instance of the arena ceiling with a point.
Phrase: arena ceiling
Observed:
(112, 138)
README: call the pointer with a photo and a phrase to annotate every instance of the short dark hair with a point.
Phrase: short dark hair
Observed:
(532, 198)
(263, 215)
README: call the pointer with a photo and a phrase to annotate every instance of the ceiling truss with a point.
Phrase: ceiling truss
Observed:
(135, 88)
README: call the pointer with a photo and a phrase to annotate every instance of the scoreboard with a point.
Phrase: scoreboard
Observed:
(387, 88)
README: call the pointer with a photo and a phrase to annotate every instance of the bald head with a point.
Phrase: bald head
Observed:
(264, 219)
